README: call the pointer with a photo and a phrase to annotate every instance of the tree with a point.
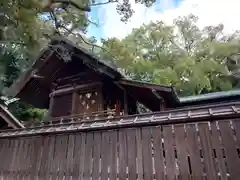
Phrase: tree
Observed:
(31, 20)
(11, 67)
(192, 60)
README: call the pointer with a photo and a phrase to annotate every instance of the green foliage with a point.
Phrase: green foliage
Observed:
(10, 70)
(25, 112)
(192, 60)
(29, 22)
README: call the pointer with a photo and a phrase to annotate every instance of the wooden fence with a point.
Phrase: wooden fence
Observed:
(206, 149)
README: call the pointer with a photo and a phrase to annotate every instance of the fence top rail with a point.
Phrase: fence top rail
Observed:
(184, 115)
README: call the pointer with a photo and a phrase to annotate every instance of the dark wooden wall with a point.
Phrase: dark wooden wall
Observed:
(191, 151)
(62, 105)
(70, 96)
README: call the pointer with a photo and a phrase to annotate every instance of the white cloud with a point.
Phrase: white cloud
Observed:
(210, 12)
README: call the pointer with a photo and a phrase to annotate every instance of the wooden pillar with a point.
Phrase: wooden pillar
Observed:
(51, 103)
(118, 109)
(100, 98)
(162, 105)
(125, 102)
(74, 102)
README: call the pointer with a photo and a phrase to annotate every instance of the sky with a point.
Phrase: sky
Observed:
(210, 12)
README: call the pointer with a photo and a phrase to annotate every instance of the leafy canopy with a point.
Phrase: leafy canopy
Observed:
(192, 60)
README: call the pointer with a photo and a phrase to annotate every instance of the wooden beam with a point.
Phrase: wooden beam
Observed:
(72, 76)
(75, 88)
(101, 99)
(37, 76)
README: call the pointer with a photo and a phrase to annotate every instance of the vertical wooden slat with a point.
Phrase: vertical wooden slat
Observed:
(122, 155)
(39, 157)
(88, 156)
(71, 147)
(27, 160)
(158, 153)
(49, 156)
(132, 150)
(82, 155)
(28, 156)
(19, 159)
(207, 151)
(113, 155)
(217, 149)
(105, 155)
(36, 157)
(169, 152)
(8, 159)
(147, 153)
(77, 156)
(23, 172)
(14, 161)
(63, 156)
(236, 124)
(230, 148)
(182, 151)
(96, 155)
(139, 154)
(194, 153)
(1, 156)
(44, 158)
(4, 157)
(55, 160)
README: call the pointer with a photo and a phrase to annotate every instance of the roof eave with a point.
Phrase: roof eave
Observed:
(14, 123)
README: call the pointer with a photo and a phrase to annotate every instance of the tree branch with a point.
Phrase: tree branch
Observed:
(86, 42)
(94, 23)
(69, 2)
(70, 31)
(54, 18)
(87, 19)
(103, 3)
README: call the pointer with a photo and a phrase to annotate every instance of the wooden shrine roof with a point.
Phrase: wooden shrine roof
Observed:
(151, 94)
